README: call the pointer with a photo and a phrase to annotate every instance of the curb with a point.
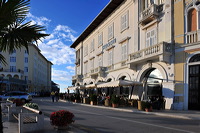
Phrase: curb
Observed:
(163, 114)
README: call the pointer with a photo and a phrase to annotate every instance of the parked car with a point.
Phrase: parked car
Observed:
(24, 96)
(34, 94)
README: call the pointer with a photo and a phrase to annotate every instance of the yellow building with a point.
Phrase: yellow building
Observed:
(26, 71)
(130, 40)
(187, 54)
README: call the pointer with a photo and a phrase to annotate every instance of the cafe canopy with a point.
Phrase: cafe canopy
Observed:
(119, 83)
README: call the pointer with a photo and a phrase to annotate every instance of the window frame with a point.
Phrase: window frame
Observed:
(125, 21)
(111, 31)
(150, 39)
(110, 57)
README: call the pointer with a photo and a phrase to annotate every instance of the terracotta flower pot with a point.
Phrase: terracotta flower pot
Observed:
(115, 105)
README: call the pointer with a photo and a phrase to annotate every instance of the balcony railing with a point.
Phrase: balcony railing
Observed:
(149, 14)
(77, 77)
(162, 51)
(192, 37)
(98, 71)
(12, 70)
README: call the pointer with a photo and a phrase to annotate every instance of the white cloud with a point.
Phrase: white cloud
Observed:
(71, 69)
(56, 46)
(38, 20)
(65, 32)
(61, 75)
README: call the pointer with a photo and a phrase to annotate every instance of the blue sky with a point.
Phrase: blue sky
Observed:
(64, 20)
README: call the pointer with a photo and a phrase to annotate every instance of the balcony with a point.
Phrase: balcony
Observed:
(192, 37)
(100, 71)
(78, 77)
(149, 14)
(161, 51)
(77, 62)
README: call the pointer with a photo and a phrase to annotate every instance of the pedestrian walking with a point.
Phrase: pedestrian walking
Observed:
(56, 96)
(52, 95)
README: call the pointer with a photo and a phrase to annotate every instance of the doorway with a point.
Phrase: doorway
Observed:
(194, 83)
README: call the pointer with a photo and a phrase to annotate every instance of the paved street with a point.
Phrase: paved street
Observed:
(102, 120)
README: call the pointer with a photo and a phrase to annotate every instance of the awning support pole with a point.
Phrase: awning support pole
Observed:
(131, 92)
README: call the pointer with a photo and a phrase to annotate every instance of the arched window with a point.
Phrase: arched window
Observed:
(192, 20)
(195, 58)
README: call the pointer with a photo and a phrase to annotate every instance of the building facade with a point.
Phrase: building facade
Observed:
(129, 40)
(187, 57)
(30, 68)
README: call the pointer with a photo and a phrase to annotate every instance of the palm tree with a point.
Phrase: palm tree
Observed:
(14, 32)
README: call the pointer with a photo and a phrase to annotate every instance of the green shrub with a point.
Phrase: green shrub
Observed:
(32, 105)
(115, 99)
(93, 97)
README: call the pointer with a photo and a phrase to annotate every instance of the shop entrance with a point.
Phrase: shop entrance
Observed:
(153, 88)
(194, 83)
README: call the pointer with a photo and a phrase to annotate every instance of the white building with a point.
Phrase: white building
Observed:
(129, 40)
(31, 69)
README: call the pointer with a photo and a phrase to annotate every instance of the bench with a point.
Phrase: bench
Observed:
(29, 120)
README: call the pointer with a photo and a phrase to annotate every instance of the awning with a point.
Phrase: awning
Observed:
(92, 86)
(81, 87)
(119, 83)
(72, 88)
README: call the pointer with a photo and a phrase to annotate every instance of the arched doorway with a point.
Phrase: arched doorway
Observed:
(153, 84)
(194, 83)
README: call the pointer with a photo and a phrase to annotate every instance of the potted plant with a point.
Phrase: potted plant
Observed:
(61, 119)
(115, 101)
(148, 106)
(93, 99)
(77, 98)
(107, 101)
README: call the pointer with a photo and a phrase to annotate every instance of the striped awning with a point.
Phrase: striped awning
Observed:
(92, 86)
(72, 87)
(119, 83)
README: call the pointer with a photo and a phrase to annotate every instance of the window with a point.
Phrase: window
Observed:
(124, 22)
(12, 68)
(26, 78)
(78, 70)
(92, 46)
(85, 67)
(110, 57)
(124, 51)
(192, 20)
(111, 31)
(12, 59)
(86, 50)
(25, 69)
(100, 61)
(151, 38)
(100, 39)
(92, 63)
(26, 59)
(146, 4)
(26, 52)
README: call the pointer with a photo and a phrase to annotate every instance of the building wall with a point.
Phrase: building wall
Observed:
(184, 49)
(38, 75)
(135, 37)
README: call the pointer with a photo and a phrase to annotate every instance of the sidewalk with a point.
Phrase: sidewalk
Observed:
(12, 127)
(181, 114)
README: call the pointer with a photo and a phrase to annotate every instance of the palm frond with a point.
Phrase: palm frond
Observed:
(3, 59)
(12, 10)
(18, 35)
